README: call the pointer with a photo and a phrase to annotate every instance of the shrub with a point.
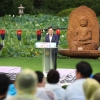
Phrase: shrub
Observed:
(65, 12)
(96, 9)
(28, 24)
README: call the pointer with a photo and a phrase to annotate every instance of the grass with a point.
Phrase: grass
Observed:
(35, 63)
(24, 62)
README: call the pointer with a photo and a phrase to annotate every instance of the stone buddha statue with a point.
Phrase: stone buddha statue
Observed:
(83, 30)
(83, 37)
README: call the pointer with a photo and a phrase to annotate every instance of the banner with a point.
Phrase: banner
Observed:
(67, 76)
(10, 71)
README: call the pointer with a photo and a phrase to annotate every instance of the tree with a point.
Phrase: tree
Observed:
(10, 6)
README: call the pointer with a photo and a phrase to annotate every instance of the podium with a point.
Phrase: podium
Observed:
(47, 56)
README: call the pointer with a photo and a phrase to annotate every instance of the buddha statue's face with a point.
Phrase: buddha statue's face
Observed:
(83, 22)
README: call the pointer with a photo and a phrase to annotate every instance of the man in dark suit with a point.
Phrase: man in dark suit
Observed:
(51, 37)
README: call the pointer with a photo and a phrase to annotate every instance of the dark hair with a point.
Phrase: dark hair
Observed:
(84, 68)
(4, 83)
(53, 76)
(50, 27)
(97, 77)
(40, 76)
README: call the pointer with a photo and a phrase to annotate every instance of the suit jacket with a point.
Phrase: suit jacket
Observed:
(54, 39)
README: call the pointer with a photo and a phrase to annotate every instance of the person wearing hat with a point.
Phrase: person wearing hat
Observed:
(26, 83)
(90, 86)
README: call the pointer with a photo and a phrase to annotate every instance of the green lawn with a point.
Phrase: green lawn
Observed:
(35, 63)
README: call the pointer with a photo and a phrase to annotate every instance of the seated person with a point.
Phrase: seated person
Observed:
(97, 77)
(83, 37)
(4, 84)
(75, 91)
(42, 92)
(90, 86)
(26, 85)
(53, 79)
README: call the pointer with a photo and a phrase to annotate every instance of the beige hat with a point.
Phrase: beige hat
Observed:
(90, 86)
(26, 82)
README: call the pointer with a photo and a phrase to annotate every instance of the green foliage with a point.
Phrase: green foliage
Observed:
(99, 20)
(63, 41)
(43, 11)
(6, 7)
(45, 6)
(96, 8)
(11, 6)
(28, 4)
(37, 4)
(65, 12)
(57, 5)
(28, 24)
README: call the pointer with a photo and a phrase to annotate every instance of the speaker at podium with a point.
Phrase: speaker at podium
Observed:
(47, 56)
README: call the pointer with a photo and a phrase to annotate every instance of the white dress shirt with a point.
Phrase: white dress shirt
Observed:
(50, 38)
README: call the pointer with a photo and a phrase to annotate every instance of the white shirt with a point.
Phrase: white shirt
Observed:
(75, 91)
(50, 38)
(45, 94)
(57, 89)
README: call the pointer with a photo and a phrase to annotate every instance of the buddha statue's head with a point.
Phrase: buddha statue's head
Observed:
(83, 21)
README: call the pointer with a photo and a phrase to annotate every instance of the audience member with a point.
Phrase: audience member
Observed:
(26, 85)
(41, 91)
(41, 79)
(89, 87)
(4, 84)
(97, 77)
(96, 95)
(75, 90)
(53, 79)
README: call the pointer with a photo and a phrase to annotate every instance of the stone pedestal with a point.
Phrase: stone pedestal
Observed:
(93, 54)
